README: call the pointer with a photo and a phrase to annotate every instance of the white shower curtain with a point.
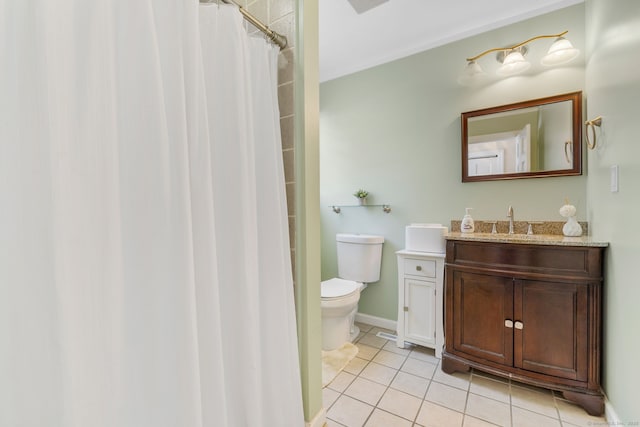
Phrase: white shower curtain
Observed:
(145, 276)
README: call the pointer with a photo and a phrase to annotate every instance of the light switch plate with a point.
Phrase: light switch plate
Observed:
(614, 178)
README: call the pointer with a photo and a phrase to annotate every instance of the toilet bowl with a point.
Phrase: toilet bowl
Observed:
(339, 304)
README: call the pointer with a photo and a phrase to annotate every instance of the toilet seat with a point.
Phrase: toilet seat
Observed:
(337, 288)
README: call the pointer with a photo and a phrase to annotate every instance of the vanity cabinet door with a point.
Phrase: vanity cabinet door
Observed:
(550, 328)
(483, 304)
(419, 311)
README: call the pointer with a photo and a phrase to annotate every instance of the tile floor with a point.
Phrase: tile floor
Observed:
(385, 386)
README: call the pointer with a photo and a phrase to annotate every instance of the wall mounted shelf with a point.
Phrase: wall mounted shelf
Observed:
(338, 208)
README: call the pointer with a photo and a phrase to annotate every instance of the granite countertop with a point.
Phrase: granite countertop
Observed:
(536, 239)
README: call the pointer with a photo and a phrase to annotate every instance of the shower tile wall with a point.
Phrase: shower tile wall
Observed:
(280, 17)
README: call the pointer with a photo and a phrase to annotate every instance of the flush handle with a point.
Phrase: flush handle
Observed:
(406, 308)
(419, 267)
(518, 324)
(508, 323)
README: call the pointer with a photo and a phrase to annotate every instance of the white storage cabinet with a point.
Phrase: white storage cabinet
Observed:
(420, 293)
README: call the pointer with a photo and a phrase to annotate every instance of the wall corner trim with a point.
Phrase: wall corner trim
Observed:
(319, 420)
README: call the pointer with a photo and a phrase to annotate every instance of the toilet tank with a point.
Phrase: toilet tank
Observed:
(359, 257)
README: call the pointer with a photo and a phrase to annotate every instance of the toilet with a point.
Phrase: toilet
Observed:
(359, 257)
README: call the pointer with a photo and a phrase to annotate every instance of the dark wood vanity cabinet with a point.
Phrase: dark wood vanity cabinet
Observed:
(529, 312)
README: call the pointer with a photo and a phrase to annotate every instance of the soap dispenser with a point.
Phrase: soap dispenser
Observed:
(467, 226)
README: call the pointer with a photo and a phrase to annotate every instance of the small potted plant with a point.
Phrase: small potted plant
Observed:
(362, 196)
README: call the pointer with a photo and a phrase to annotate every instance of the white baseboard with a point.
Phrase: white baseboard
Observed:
(610, 414)
(319, 420)
(377, 321)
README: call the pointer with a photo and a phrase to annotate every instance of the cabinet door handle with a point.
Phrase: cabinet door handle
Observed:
(518, 324)
(419, 267)
(508, 323)
(406, 309)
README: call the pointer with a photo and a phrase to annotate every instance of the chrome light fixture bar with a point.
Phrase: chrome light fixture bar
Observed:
(513, 59)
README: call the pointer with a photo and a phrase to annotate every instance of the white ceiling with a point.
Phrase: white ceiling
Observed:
(351, 42)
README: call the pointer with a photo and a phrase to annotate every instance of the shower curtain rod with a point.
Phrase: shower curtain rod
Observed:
(276, 38)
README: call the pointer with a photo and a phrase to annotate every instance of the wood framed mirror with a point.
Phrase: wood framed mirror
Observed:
(530, 139)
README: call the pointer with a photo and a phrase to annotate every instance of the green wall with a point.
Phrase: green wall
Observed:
(394, 130)
(613, 88)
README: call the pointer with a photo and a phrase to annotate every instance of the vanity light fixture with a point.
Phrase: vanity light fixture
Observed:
(513, 59)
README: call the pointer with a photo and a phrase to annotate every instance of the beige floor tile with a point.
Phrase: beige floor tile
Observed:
(393, 347)
(444, 395)
(401, 404)
(389, 359)
(331, 423)
(425, 354)
(372, 340)
(366, 390)
(523, 418)
(488, 410)
(432, 415)
(341, 381)
(329, 397)
(378, 373)
(533, 400)
(363, 327)
(356, 365)
(457, 379)
(409, 383)
(418, 367)
(366, 352)
(489, 388)
(384, 419)
(470, 421)
(349, 411)
(574, 414)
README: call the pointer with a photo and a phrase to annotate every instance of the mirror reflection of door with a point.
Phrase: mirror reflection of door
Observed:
(504, 152)
(487, 162)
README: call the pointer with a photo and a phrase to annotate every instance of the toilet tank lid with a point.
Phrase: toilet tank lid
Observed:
(359, 238)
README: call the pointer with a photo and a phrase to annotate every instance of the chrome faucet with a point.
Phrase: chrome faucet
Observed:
(510, 216)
